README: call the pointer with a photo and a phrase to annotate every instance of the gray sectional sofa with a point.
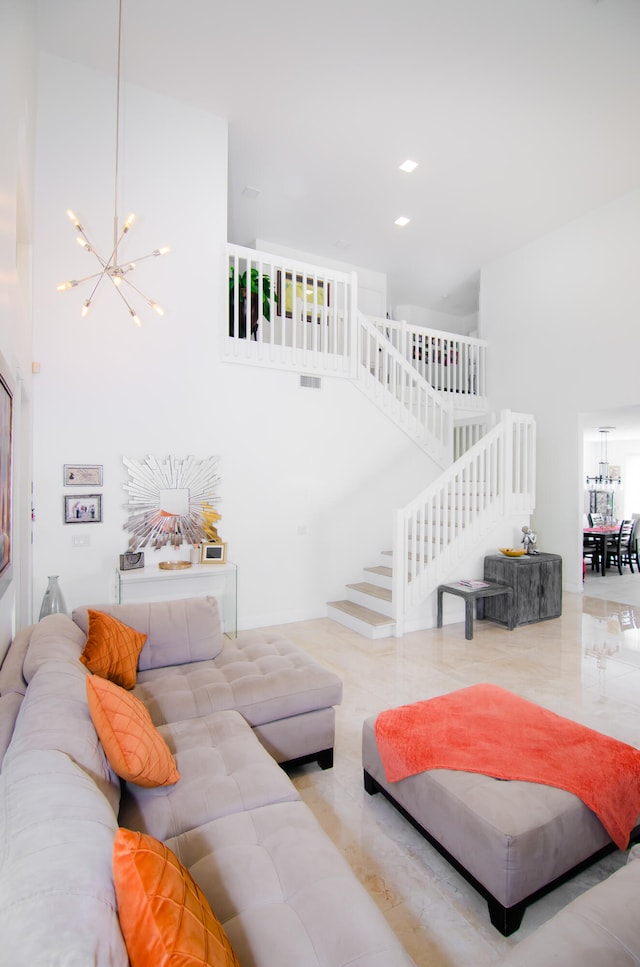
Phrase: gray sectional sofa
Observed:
(601, 928)
(229, 711)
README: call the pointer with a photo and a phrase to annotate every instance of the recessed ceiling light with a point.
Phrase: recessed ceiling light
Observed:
(402, 221)
(250, 192)
(408, 166)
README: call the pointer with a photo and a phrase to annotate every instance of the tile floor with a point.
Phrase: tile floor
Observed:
(585, 665)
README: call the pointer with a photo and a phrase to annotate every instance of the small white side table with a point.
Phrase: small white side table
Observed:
(151, 583)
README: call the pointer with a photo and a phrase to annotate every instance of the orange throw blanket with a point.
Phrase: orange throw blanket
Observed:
(489, 730)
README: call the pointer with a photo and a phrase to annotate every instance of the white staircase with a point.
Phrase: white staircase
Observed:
(442, 526)
(432, 385)
(368, 608)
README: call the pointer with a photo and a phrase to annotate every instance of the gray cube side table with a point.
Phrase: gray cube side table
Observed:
(536, 580)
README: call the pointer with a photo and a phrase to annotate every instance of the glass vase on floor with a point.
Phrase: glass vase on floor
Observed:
(52, 602)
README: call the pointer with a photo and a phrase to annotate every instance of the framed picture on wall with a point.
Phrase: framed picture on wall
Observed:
(83, 508)
(307, 292)
(82, 475)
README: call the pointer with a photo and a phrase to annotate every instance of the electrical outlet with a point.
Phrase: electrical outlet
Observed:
(80, 540)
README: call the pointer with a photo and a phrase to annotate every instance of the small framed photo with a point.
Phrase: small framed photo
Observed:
(82, 475)
(83, 508)
(213, 552)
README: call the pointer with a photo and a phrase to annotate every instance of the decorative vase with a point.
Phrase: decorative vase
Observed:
(52, 602)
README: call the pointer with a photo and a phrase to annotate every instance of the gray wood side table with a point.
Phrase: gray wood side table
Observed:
(478, 596)
(536, 580)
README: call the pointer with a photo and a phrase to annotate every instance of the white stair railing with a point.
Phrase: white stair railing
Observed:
(287, 314)
(451, 363)
(467, 432)
(400, 391)
(443, 524)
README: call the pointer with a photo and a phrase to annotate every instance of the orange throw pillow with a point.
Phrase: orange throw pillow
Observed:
(134, 747)
(112, 649)
(164, 915)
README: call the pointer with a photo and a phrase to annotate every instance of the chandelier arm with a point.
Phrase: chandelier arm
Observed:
(89, 246)
(151, 255)
(132, 312)
(76, 282)
(118, 289)
(99, 280)
(136, 289)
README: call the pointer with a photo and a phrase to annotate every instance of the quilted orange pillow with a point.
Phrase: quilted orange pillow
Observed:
(164, 915)
(112, 649)
(134, 747)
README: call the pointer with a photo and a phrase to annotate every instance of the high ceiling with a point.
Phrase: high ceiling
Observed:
(522, 114)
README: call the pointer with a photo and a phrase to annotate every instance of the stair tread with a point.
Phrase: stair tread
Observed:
(365, 587)
(359, 611)
(381, 570)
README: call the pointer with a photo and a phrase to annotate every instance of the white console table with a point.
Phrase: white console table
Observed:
(152, 583)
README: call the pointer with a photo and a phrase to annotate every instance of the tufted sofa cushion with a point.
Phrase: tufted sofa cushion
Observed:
(264, 676)
(57, 899)
(54, 638)
(224, 769)
(180, 631)
(55, 715)
(284, 893)
(599, 928)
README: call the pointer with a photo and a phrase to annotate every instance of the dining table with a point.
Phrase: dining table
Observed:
(601, 534)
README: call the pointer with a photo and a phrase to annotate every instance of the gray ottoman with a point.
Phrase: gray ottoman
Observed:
(513, 841)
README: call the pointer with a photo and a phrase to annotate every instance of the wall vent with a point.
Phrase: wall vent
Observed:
(311, 382)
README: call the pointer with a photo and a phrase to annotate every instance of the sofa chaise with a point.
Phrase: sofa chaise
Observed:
(227, 712)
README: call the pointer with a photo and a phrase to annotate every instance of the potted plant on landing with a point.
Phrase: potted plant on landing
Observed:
(259, 302)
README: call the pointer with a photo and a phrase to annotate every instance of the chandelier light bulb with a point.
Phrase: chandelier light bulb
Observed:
(156, 307)
(74, 218)
(84, 312)
(135, 317)
(129, 222)
(66, 285)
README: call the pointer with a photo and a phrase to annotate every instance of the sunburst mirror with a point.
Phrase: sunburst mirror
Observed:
(170, 500)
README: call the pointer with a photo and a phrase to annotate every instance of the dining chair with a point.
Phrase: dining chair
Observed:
(621, 552)
(590, 552)
(635, 539)
(589, 544)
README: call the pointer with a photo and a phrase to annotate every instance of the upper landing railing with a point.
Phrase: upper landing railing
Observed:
(294, 315)
(286, 314)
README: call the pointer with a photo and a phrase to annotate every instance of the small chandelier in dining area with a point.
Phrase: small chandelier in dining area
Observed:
(607, 477)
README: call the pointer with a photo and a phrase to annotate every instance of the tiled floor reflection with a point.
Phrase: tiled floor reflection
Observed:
(585, 665)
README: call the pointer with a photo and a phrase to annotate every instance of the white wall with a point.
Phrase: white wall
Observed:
(432, 319)
(555, 313)
(106, 388)
(309, 478)
(17, 89)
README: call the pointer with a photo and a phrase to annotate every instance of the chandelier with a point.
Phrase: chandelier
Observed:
(604, 479)
(111, 268)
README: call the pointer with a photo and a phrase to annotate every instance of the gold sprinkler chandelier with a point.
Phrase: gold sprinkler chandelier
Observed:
(111, 268)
